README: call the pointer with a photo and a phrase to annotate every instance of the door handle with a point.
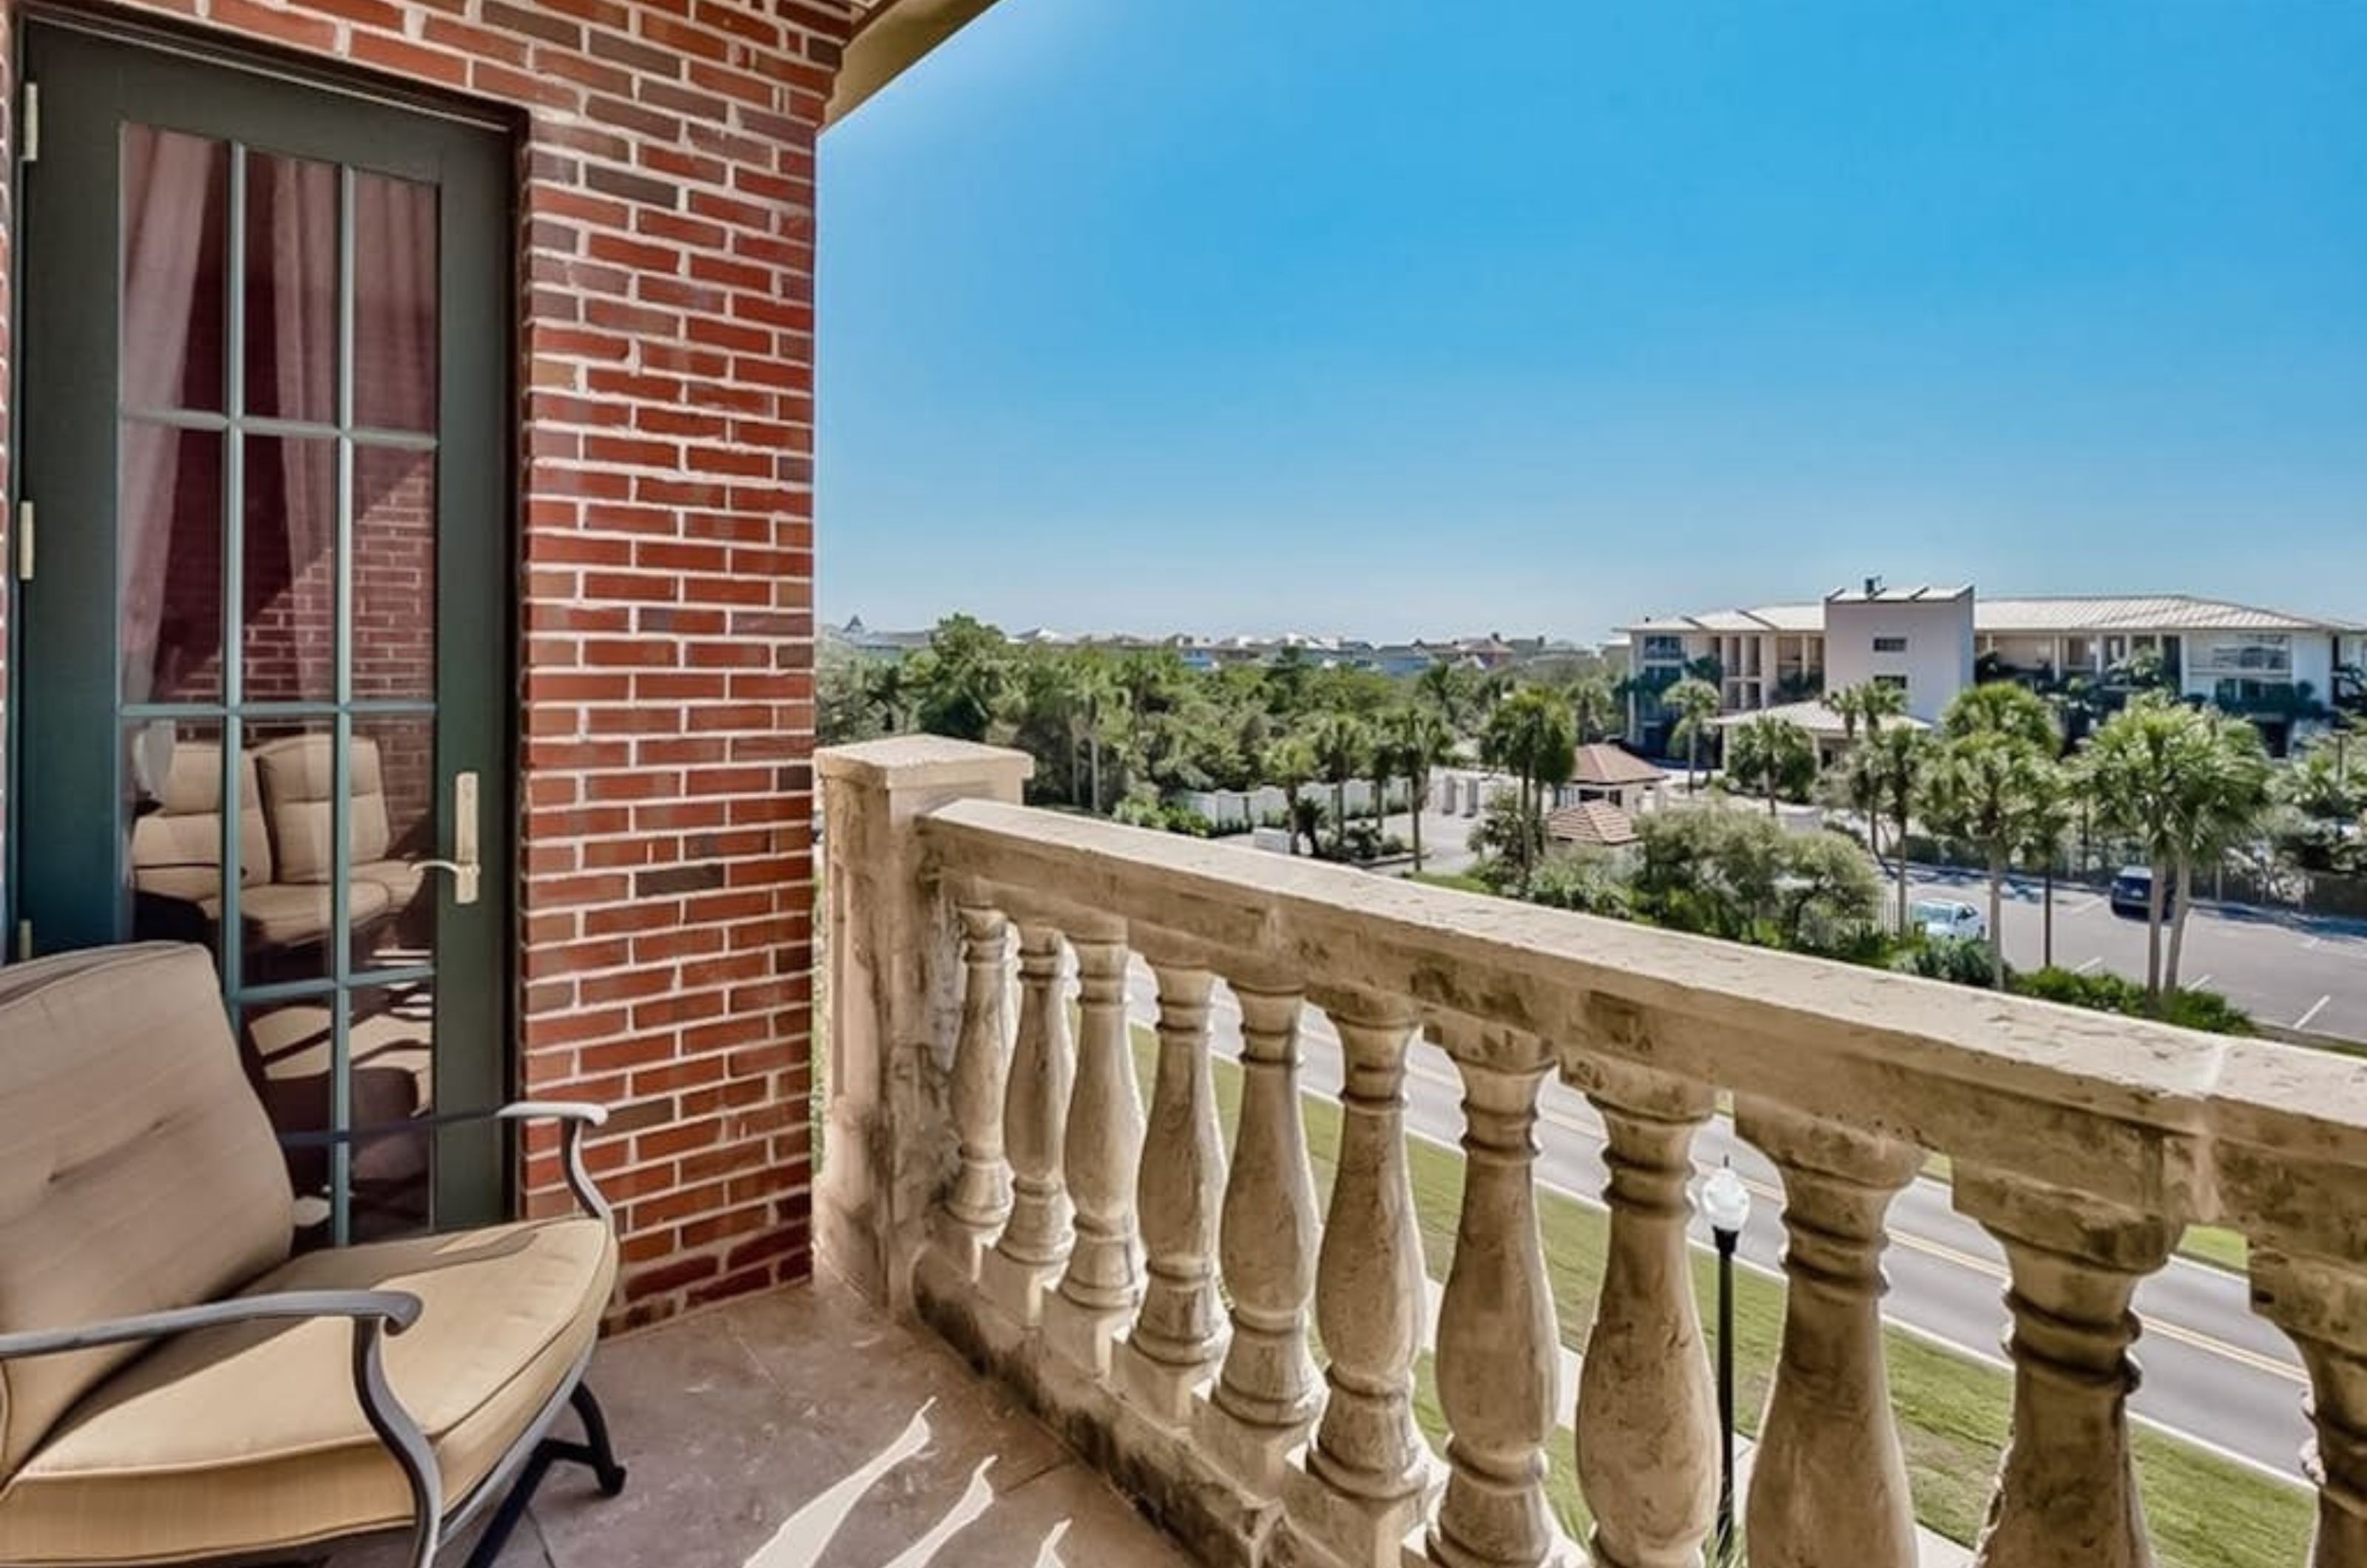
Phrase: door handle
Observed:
(468, 874)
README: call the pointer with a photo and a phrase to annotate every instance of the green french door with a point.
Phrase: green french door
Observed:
(261, 676)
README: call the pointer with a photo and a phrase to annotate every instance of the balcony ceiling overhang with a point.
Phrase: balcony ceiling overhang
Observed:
(890, 36)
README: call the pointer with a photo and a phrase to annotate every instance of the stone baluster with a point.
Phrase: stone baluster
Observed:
(1105, 1135)
(1035, 1110)
(979, 1201)
(1180, 1332)
(1499, 1352)
(1828, 1466)
(1368, 1468)
(2065, 1496)
(2322, 1303)
(1267, 1241)
(1647, 1421)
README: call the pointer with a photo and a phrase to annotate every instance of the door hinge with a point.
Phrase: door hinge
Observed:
(28, 139)
(24, 541)
(24, 941)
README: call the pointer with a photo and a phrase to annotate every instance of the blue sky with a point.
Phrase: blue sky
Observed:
(1392, 316)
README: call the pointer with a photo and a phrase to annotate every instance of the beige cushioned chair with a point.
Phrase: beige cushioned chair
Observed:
(177, 852)
(174, 1386)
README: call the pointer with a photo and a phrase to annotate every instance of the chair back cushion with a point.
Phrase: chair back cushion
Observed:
(137, 1169)
(177, 848)
(298, 792)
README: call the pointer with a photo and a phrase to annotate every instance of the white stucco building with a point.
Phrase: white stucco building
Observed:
(2269, 665)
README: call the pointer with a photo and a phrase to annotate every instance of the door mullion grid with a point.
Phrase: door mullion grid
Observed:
(341, 793)
(232, 924)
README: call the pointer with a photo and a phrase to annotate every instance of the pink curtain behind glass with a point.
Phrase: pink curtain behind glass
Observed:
(168, 186)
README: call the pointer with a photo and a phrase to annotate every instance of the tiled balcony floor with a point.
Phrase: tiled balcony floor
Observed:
(803, 1429)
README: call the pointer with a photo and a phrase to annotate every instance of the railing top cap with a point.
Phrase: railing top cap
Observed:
(924, 762)
(2128, 1069)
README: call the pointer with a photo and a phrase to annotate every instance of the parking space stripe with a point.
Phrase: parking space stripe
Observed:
(2089, 967)
(2315, 1009)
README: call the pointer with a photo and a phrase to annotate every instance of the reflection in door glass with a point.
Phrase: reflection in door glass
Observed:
(181, 839)
(289, 554)
(288, 927)
(393, 829)
(394, 572)
(169, 540)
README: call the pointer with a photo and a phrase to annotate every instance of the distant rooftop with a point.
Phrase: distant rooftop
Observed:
(1603, 762)
(1592, 822)
(2066, 612)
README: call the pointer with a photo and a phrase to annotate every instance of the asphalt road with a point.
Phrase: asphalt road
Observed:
(2301, 972)
(2215, 1373)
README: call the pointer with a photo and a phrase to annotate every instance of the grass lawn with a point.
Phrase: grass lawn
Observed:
(1953, 1412)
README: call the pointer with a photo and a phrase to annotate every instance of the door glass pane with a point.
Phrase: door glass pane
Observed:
(176, 216)
(291, 1050)
(178, 832)
(290, 353)
(169, 549)
(289, 555)
(392, 1041)
(394, 303)
(288, 924)
(393, 792)
(394, 573)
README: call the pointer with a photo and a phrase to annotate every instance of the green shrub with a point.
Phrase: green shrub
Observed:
(2100, 992)
(1947, 958)
(2206, 1010)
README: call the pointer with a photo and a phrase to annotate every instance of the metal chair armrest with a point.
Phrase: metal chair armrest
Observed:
(373, 1314)
(572, 1116)
(396, 1310)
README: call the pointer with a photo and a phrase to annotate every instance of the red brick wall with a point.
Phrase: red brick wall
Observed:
(665, 261)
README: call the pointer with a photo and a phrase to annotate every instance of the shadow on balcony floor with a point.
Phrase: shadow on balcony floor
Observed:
(803, 1429)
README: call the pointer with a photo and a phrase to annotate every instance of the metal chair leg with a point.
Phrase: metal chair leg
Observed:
(595, 1453)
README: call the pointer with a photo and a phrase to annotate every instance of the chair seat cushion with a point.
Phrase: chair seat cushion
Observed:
(290, 914)
(249, 1439)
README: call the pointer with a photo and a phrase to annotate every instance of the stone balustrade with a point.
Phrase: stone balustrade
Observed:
(1244, 1364)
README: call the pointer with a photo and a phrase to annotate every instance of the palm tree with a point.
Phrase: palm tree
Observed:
(2220, 804)
(2045, 822)
(1868, 702)
(1446, 688)
(1768, 752)
(2001, 707)
(1594, 706)
(1090, 694)
(1888, 773)
(1339, 741)
(1421, 738)
(1981, 789)
(1529, 735)
(1695, 703)
(1290, 764)
(2138, 768)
